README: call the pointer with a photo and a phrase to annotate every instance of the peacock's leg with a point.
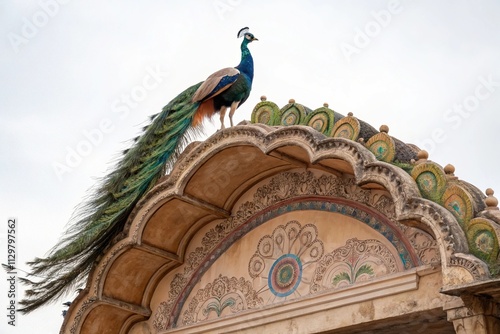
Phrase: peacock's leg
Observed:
(222, 115)
(234, 106)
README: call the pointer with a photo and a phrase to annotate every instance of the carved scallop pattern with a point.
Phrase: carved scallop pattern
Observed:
(81, 311)
(477, 268)
(424, 245)
(435, 219)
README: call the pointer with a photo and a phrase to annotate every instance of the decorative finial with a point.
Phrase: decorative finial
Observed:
(422, 156)
(491, 201)
(384, 128)
(263, 98)
(325, 105)
(350, 114)
(291, 101)
(449, 169)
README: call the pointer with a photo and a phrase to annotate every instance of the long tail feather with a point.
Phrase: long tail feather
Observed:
(103, 216)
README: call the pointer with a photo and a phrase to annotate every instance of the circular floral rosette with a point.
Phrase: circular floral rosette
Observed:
(285, 275)
(283, 262)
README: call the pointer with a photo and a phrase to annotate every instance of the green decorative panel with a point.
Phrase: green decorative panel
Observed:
(459, 203)
(321, 120)
(348, 127)
(483, 239)
(266, 112)
(292, 114)
(430, 179)
(382, 145)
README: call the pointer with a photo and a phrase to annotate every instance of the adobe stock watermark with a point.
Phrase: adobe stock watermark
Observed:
(11, 262)
(372, 29)
(461, 111)
(32, 25)
(222, 7)
(94, 137)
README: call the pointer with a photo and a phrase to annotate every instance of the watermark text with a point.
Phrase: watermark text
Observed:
(11, 259)
(456, 115)
(121, 106)
(31, 26)
(364, 36)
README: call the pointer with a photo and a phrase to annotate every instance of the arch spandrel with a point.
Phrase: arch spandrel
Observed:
(312, 195)
(287, 259)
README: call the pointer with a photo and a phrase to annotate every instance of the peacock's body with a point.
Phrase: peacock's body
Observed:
(102, 218)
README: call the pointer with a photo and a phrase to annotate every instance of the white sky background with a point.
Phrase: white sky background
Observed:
(71, 73)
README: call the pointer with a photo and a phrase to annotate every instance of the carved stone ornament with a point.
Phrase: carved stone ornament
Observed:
(280, 189)
(223, 295)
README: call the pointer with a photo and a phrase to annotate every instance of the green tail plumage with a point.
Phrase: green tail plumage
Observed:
(102, 218)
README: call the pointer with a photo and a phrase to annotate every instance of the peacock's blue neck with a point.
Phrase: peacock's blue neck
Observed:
(246, 63)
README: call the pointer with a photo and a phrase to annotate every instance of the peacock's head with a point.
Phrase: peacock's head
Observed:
(245, 33)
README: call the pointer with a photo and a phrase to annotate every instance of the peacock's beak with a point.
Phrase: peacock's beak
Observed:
(255, 39)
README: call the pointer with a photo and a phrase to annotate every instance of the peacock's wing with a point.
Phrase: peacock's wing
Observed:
(216, 84)
(102, 218)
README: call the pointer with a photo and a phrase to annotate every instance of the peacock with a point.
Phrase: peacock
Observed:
(102, 217)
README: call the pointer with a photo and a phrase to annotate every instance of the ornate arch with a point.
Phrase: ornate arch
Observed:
(239, 179)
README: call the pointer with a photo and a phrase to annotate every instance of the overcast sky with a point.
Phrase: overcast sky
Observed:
(79, 79)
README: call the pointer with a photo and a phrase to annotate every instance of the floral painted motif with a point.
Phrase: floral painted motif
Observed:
(358, 260)
(284, 261)
(291, 279)
(223, 296)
